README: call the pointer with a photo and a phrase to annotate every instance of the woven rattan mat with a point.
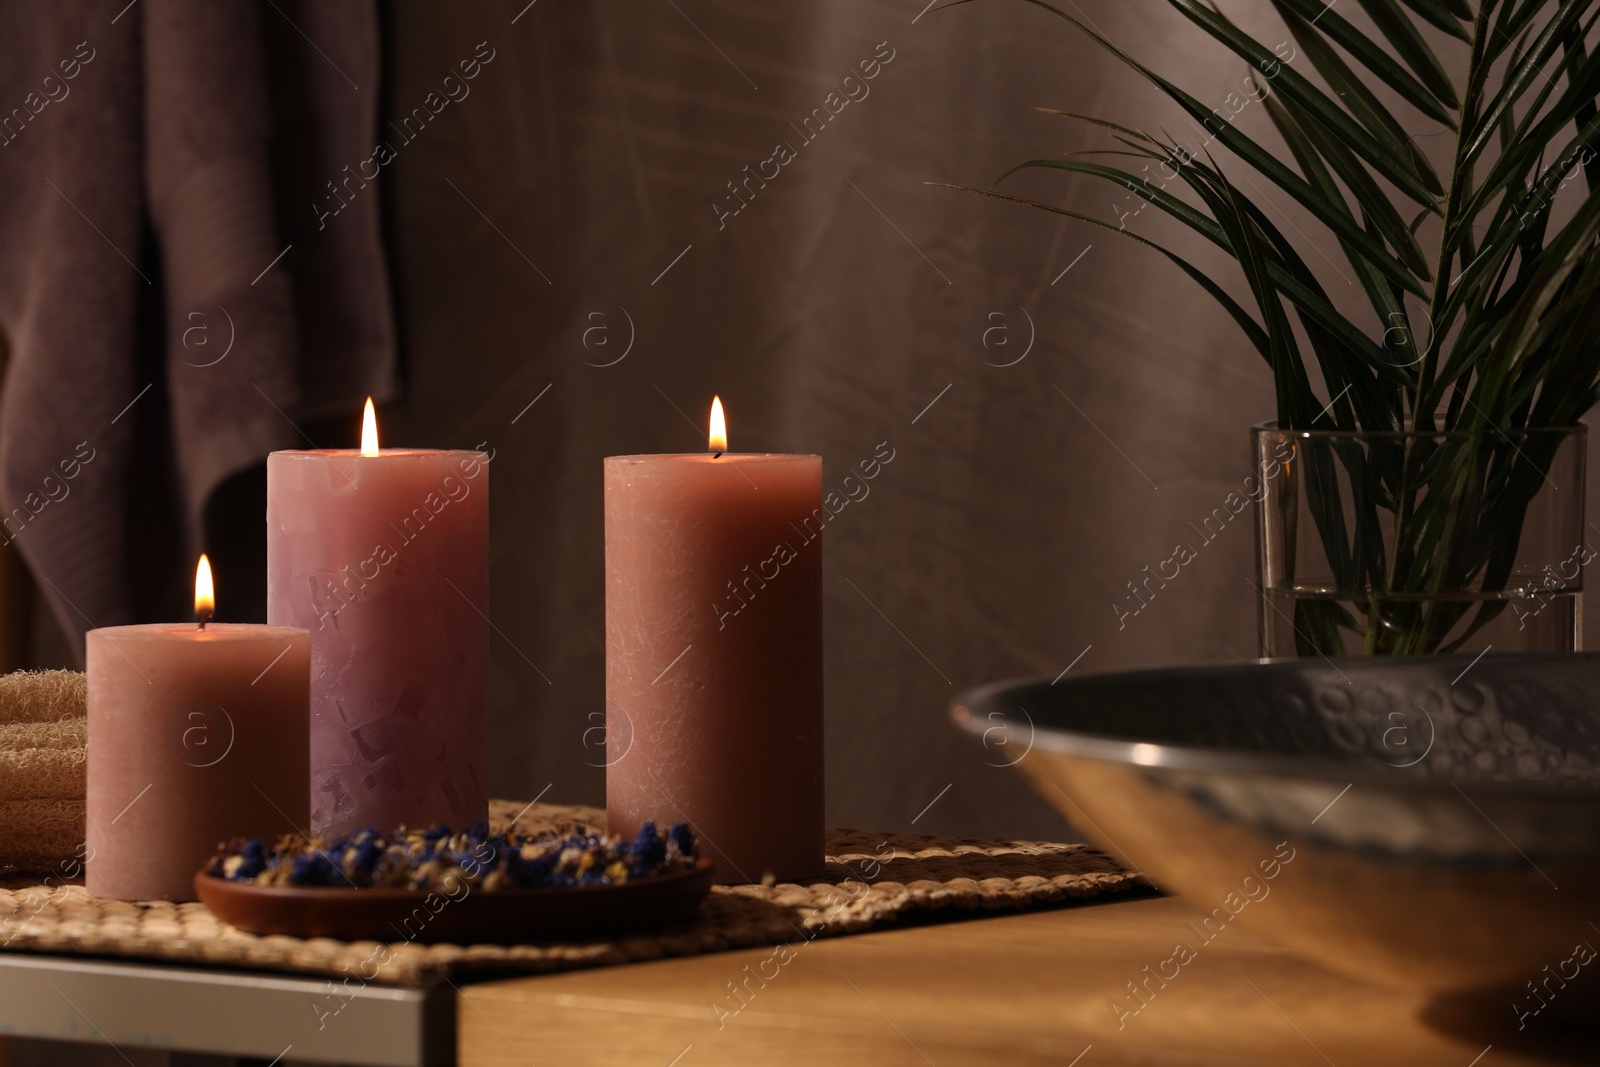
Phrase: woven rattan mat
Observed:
(871, 878)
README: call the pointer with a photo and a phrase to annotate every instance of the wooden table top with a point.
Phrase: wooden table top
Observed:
(1028, 988)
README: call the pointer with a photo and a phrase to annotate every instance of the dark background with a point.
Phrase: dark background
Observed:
(829, 313)
(848, 304)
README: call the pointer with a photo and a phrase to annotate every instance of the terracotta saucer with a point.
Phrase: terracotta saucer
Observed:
(508, 917)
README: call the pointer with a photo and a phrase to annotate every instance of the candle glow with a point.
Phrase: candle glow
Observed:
(719, 428)
(205, 597)
(369, 430)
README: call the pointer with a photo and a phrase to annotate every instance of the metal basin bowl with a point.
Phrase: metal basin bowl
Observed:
(1431, 824)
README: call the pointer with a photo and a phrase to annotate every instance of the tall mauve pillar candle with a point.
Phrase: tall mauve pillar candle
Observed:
(714, 655)
(383, 556)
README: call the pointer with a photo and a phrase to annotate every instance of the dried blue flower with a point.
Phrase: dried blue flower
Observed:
(367, 855)
(255, 859)
(647, 851)
(314, 869)
(434, 859)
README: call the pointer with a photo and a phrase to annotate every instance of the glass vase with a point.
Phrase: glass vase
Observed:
(1415, 543)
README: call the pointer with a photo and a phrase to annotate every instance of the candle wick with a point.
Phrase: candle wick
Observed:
(716, 455)
(202, 617)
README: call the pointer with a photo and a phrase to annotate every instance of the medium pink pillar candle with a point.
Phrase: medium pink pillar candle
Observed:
(383, 556)
(195, 736)
(714, 655)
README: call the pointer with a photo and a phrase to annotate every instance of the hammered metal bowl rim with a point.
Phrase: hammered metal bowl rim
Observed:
(975, 712)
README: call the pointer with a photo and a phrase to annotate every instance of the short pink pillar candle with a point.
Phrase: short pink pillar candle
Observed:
(383, 556)
(714, 655)
(196, 736)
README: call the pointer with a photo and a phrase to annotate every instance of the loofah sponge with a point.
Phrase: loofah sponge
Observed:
(42, 750)
(42, 760)
(40, 835)
(42, 696)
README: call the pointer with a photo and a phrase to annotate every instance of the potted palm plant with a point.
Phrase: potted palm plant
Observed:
(1422, 484)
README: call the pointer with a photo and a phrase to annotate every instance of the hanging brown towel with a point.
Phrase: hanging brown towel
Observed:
(174, 304)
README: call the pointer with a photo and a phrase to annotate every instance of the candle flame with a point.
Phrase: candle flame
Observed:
(205, 597)
(719, 427)
(369, 430)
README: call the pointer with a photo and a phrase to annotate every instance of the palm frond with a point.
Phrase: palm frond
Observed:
(1495, 329)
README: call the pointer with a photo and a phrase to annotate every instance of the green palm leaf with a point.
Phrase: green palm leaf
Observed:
(1496, 329)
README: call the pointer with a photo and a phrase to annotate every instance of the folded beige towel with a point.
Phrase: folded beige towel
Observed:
(42, 753)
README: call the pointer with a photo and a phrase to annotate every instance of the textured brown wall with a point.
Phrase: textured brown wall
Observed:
(829, 313)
